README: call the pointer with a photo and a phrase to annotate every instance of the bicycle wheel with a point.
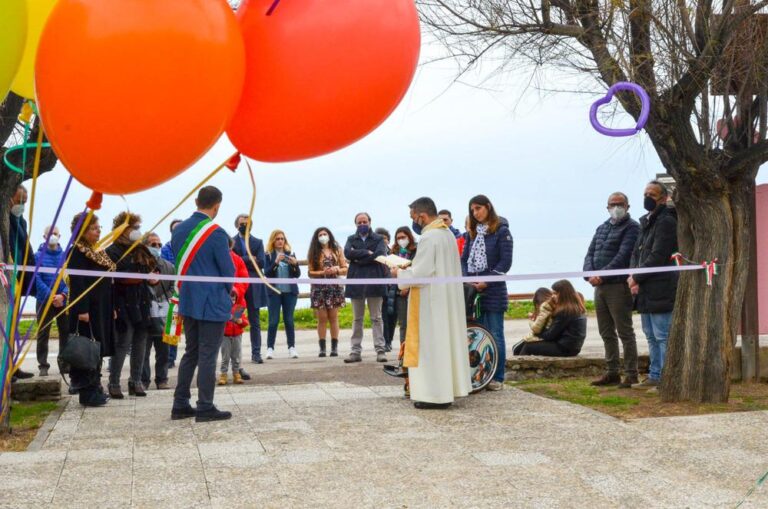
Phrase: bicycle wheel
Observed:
(483, 356)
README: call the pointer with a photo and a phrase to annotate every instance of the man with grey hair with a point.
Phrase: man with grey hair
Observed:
(655, 293)
(256, 295)
(611, 249)
(361, 250)
(161, 294)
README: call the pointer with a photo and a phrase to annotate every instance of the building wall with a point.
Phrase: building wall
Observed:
(762, 256)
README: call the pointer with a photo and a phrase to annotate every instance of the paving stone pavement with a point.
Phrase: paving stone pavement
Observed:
(345, 445)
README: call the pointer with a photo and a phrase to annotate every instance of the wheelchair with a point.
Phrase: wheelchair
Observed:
(482, 347)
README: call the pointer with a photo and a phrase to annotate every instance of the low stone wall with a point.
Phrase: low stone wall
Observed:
(37, 389)
(534, 367)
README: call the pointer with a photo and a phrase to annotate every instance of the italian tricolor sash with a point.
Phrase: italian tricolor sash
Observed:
(189, 249)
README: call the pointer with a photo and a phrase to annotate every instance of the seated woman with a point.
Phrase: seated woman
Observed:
(539, 320)
(565, 336)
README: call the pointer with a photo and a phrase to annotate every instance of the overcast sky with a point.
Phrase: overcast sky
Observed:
(535, 155)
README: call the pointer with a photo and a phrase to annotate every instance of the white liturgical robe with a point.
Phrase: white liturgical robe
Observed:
(443, 371)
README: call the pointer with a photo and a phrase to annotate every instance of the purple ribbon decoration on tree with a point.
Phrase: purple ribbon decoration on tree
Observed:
(622, 86)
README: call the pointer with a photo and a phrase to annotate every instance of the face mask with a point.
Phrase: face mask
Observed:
(17, 210)
(403, 243)
(323, 239)
(416, 227)
(617, 213)
(134, 235)
(242, 228)
(53, 240)
(363, 229)
(155, 251)
(649, 204)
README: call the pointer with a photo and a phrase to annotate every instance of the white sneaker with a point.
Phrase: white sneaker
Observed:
(292, 353)
(270, 353)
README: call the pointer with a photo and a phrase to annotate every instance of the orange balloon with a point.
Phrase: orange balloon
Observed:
(132, 92)
(321, 74)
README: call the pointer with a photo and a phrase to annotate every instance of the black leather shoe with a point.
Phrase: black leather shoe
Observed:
(21, 375)
(421, 405)
(214, 414)
(182, 413)
(257, 360)
(244, 375)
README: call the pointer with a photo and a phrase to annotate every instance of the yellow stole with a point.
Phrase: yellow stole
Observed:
(411, 355)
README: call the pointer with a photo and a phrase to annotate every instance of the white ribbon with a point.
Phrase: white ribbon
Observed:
(367, 281)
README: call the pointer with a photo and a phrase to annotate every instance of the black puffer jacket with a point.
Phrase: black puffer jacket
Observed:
(611, 247)
(568, 331)
(654, 248)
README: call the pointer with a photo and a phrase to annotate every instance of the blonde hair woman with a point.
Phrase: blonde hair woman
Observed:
(281, 263)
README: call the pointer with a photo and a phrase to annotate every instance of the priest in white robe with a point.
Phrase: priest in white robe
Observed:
(436, 352)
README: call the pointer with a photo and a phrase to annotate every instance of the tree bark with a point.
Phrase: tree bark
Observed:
(713, 222)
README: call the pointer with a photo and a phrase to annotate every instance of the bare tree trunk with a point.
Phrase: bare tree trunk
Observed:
(712, 223)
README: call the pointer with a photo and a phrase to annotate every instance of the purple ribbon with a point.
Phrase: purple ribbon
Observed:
(272, 7)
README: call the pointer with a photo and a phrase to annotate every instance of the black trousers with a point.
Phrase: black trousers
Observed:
(546, 349)
(161, 360)
(62, 322)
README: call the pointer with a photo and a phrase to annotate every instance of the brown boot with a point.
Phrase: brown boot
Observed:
(223, 379)
(607, 379)
(237, 378)
(115, 392)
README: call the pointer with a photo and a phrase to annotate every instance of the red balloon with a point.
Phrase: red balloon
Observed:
(132, 92)
(321, 74)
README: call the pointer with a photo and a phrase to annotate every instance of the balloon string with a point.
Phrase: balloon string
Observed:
(273, 7)
(135, 244)
(248, 229)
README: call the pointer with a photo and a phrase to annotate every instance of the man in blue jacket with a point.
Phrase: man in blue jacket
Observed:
(256, 295)
(611, 249)
(202, 249)
(50, 255)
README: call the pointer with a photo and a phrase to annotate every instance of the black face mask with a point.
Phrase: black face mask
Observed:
(649, 204)
(242, 228)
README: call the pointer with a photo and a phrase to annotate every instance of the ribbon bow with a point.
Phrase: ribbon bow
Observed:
(711, 269)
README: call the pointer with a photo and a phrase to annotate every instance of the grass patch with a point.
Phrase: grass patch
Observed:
(636, 404)
(26, 419)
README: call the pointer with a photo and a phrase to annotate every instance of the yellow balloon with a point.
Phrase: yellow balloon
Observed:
(12, 38)
(37, 14)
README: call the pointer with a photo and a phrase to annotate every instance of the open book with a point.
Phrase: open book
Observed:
(393, 261)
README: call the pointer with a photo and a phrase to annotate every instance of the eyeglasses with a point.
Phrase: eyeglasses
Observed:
(155, 244)
(279, 238)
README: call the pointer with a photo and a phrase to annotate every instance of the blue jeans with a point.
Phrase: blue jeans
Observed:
(494, 322)
(656, 329)
(286, 301)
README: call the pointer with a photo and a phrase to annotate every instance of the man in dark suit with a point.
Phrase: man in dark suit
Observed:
(256, 296)
(204, 307)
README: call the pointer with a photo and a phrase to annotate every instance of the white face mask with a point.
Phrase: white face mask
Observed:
(134, 235)
(53, 240)
(617, 213)
(403, 243)
(324, 239)
(155, 251)
(17, 210)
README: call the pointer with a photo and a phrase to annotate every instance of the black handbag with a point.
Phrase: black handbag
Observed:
(81, 352)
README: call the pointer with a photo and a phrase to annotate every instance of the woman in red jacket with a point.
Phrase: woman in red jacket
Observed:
(231, 345)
